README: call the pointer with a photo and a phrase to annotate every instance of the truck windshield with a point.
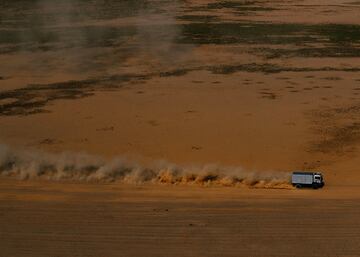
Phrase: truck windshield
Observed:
(318, 177)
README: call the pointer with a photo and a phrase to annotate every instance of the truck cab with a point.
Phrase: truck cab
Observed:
(318, 178)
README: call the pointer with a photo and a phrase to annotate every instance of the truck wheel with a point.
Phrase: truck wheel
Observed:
(315, 187)
(298, 186)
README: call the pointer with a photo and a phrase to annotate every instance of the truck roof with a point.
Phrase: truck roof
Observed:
(305, 173)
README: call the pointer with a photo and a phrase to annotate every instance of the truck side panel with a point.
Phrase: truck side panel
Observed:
(302, 179)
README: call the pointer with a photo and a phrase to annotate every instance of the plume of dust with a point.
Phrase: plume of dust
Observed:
(83, 167)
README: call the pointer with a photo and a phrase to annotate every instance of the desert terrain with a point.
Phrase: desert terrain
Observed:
(171, 128)
(72, 219)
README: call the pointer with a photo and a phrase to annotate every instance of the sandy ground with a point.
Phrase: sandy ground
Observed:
(259, 122)
(62, 219)
(263, 85)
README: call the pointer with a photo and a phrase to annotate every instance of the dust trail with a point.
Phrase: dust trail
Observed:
(83, 167)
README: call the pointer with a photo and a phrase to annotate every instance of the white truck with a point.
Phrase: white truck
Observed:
(301, 179)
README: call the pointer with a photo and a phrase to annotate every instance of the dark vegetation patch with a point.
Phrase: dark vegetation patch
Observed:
(29, 14)
(339, 40)
(236, 33)
(326, 51)
(34, 28)
(46, 39)
(197, 148)
(268, 68)
(240, 7)
(268, 95)
(50, 141)
(31, 29)
(177, 72)
(292, 82)
(332, 78)
(199, 18)
(337, 130)
(33, 98)
(270, 33)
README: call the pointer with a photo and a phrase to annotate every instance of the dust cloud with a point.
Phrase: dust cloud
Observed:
(26, 164)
